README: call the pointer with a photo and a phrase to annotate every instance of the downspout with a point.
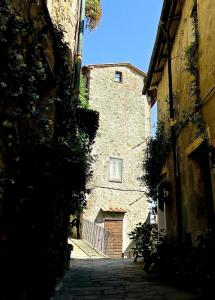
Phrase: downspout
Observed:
(173, 139)
(78, 66)
(78, 58)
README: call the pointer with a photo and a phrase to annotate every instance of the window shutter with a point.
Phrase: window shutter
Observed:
(115, 169)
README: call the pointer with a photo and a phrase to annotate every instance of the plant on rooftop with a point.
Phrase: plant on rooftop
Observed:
(93, 13)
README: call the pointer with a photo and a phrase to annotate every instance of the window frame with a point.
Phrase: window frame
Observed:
(117, 180)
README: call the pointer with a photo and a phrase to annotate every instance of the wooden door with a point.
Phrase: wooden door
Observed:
(114, 249)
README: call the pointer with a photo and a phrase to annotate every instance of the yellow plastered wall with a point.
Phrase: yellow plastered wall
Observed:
(193, 202)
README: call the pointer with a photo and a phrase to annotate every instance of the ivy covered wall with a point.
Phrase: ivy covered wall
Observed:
(44, 159)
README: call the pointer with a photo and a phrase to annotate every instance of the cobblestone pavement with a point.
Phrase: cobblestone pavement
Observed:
(114, 279)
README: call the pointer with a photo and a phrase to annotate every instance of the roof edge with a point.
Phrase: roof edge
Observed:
(159, 37)
(124, 64)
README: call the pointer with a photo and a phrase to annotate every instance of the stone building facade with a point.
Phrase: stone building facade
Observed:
(117, 201)
(65, 14)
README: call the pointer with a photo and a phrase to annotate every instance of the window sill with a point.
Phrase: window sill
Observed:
(118, 81)
(116, 181)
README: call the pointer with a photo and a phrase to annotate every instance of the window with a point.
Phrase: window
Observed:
(115, 169)
(118, 76)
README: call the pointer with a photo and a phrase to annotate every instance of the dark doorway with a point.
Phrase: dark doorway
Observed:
(202, 174)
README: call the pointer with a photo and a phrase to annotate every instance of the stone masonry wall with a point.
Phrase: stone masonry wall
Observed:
(124, 126)
(65, 13)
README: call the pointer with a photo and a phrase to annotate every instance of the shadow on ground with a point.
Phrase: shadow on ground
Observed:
(114, 279)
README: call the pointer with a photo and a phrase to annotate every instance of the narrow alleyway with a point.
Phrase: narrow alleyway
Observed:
(96, 279)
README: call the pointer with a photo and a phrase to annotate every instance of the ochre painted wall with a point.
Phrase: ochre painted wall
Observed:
(194, 210)
(207, 66)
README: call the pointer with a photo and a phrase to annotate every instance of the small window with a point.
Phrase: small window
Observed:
(115, 169)
(118, 76)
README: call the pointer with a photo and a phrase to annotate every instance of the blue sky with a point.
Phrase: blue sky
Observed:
(126, 33)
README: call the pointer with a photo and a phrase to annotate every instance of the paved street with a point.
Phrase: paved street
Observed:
(96, 279)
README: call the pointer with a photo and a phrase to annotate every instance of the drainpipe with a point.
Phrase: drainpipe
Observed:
(173, 139)
(78, 58)
(78, 65)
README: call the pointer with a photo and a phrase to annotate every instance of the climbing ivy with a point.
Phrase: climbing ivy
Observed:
(193, 114)
(192, 57)
(84, 103)
(156, 152)
(45, 141)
